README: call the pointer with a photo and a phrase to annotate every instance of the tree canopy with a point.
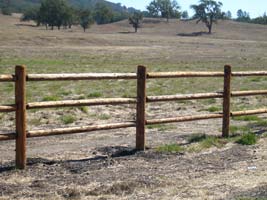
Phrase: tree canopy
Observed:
(103, 14)
(86, 19)
(164, 8)
(207, 11)
(242, 16)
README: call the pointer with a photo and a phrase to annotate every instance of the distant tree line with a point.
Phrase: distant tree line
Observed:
(243, 16)
(58, 13)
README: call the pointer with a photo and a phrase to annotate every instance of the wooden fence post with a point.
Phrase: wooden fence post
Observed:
(20, 98)
(141, 108)
(226, 100)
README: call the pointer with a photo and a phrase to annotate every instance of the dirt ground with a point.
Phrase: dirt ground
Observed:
(104, 165)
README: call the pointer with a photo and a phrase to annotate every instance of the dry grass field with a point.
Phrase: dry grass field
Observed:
(103, 165)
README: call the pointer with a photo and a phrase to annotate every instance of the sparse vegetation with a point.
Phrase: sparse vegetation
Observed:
(68, 119)
(161, 127)
(214, 109)
(106, 50)
(104, 116)
(247, 139)
(247, 118)
(50, 98)
(94, 94)
(84, 109)
(170, 148)
(239, 129)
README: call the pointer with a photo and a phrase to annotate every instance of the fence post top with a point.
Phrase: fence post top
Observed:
(227, 67)
(20, 66)
(141, 67)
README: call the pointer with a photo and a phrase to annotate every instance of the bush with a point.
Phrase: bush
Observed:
(6, 11)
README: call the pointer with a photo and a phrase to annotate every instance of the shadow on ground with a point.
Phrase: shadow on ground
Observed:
(193, 34)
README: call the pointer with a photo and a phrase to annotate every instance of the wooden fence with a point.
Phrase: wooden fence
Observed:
(21, 106)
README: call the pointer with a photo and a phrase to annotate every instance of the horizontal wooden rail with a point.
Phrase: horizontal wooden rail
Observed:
(10, 108)
(82, 129)
(8, 136)
(183, 74)
(248, 93)
(99, 76)
(7, 78)
(184, 97)
(84, 102)
(248, 112)
(183, 119)
(250, 73)
(84, 76)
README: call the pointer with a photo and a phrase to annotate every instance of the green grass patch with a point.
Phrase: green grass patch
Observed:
(260, 123)
(199, 142)
(196, 138)
(170, 148)
(161, 127)
(84, 109)
(95, 94)
(239, 129)
(211, 141)
(214, 109)
(50, 98)
(68, 119)
(247, 118)
(247, 139)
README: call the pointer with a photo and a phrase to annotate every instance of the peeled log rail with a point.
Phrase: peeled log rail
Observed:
(7, 78)
(88, 102)
(183, 119)
(84, 76)
(9, 136)
(248, 112)
(7, 108)
(184, 97)
(72, 130)
(184, 74)
(248, 93)
(250, 73)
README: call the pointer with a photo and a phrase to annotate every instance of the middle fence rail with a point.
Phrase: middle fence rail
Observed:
(21, 106)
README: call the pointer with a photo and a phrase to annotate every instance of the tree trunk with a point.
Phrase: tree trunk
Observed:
(135, 28)
(210, 27)
(210, 24)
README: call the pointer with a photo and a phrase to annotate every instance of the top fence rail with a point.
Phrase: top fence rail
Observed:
(116, 76)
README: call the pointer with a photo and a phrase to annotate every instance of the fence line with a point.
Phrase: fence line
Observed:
(142, 76)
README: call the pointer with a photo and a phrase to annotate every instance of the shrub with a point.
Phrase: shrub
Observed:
(247, 139)
(68, 119)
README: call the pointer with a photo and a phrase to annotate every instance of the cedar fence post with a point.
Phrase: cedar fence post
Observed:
(20, 98)
(141, 108)
(226, 100)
